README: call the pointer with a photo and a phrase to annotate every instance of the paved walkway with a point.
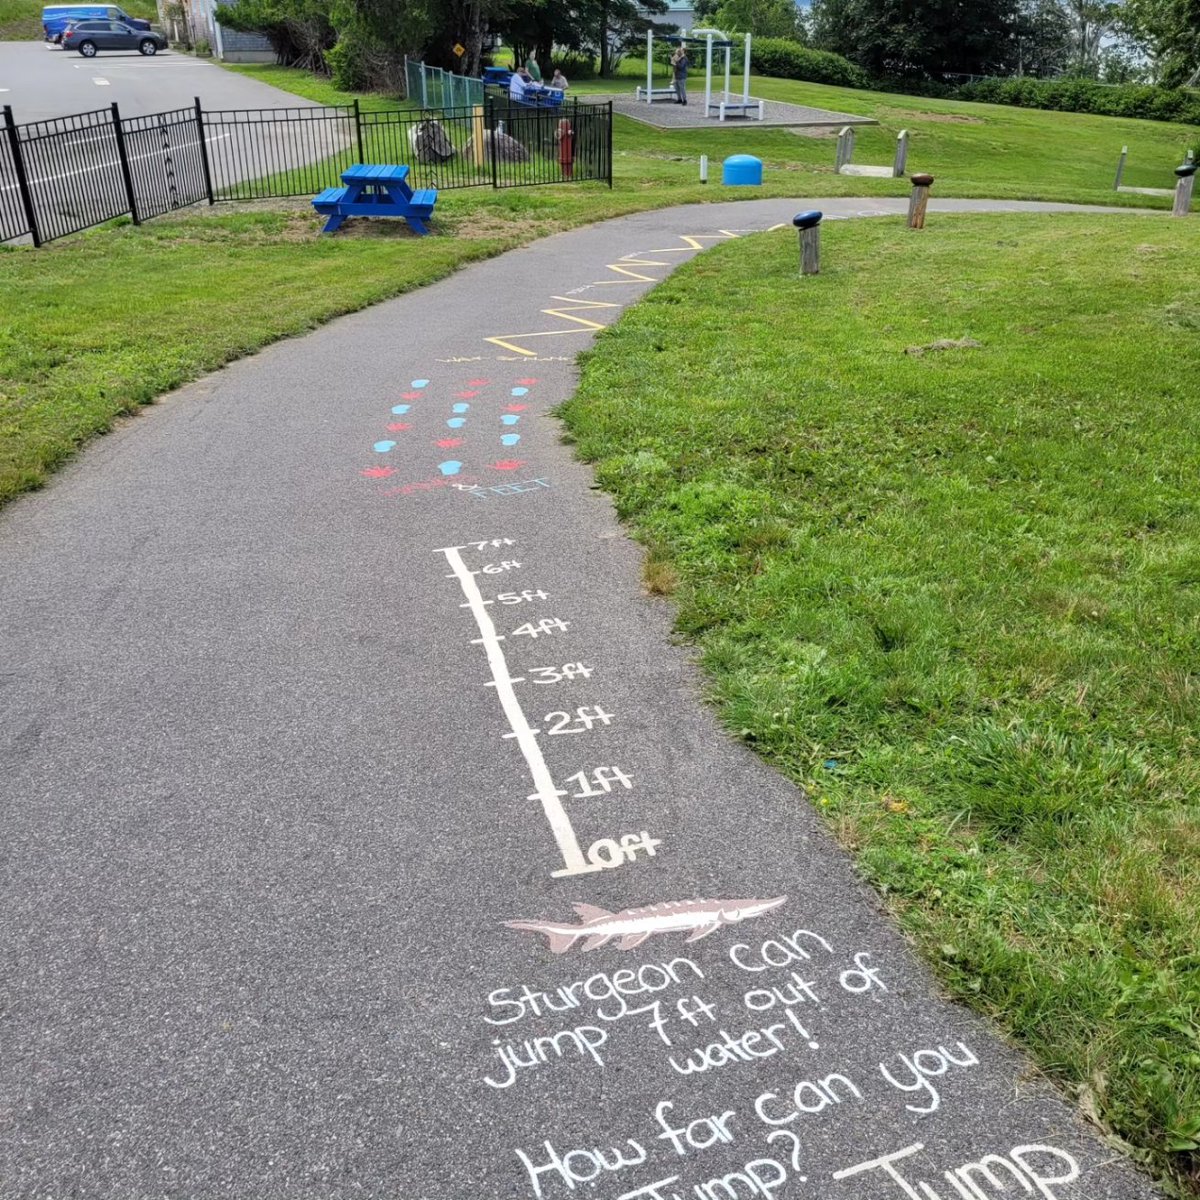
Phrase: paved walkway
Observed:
(342, 755)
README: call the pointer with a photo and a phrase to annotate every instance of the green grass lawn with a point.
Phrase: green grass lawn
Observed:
(956, 595)
(21, 19)
(980, 150)
(144, 337)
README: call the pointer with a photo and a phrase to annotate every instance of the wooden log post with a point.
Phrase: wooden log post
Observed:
(1120, 168)
(901, 154)
(919, 200)
(809, 225)
(845, 149)
(1186, 175)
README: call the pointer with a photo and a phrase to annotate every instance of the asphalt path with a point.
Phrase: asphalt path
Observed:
(331, 707)
(42, 81)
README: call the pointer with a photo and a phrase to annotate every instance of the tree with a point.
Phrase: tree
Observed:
(763, 18)
(1168, 33)
(301, 32)
(921, 38)
(1090, 21)
(1043, 40)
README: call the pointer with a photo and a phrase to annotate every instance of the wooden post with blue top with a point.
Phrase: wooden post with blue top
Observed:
(809, 225)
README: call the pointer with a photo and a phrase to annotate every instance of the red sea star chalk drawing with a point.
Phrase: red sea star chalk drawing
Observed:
(397, 426)
(507, 464)
(449, 443)
(516, 408)
(378, 472)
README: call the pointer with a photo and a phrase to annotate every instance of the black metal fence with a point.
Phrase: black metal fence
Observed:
(62, 176)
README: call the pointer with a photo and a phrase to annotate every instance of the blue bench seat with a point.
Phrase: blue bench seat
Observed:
(328, 198)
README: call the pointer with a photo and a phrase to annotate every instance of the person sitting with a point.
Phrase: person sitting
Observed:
(518, 84)
(559, 81)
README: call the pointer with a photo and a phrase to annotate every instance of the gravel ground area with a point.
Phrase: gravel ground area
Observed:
(664, 114)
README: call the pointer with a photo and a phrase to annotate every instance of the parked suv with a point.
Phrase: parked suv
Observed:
(56, 18)
(89, 36)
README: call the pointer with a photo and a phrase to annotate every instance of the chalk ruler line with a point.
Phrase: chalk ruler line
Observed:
(523, 733)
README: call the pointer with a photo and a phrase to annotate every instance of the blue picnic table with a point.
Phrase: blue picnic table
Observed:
(376, 190)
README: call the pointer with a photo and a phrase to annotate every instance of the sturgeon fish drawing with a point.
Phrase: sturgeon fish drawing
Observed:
(633, 926)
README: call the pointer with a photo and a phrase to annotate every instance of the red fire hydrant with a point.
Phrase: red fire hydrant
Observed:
(566, 148)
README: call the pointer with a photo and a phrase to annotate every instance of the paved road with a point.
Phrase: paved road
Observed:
(74, 168)
(342, 756)
(42, 82)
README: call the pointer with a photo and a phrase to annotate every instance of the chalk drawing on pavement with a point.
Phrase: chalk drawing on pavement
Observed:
(567, 308)
(632, 926)
(485, 492)
(604, 853)
(383, 447)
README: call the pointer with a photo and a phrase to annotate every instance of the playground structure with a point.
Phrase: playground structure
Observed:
(730, 104)
(845, 152)
(1118, 186)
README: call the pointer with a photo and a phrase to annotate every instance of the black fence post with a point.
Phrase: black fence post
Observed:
(124, 157)
(204, 151)
(362, 158)
(493, 149)
(14, 141)
(609, 145)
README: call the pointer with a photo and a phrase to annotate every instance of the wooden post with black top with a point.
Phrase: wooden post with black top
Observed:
(1186, 175)
(919, 200)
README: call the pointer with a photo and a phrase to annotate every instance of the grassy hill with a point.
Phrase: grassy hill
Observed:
(22, 19)
(954, 595)
(982, 150)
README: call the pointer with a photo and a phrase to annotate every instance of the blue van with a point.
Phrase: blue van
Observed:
(56, 17)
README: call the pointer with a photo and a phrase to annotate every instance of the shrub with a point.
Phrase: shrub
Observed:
(785, 59)
(1084, 95)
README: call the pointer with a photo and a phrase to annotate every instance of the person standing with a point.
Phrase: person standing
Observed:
(679, 67)
(535, 72)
